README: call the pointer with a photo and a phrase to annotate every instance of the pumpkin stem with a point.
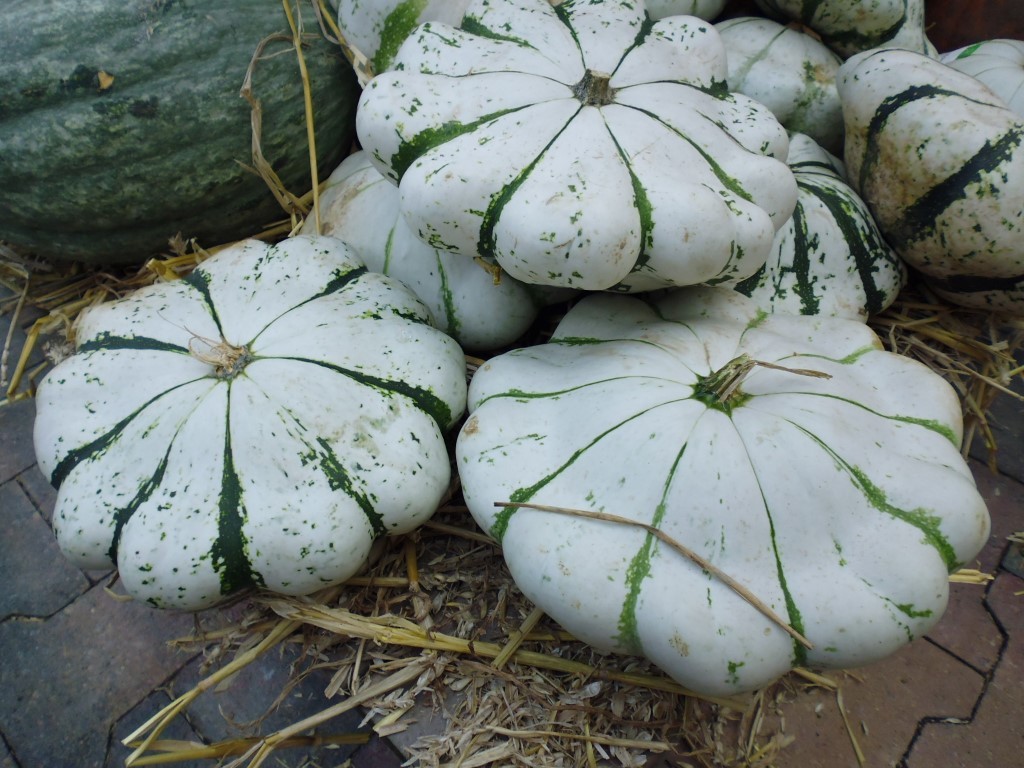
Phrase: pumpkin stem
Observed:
(227, 360)
(721, 389)
(594, 89)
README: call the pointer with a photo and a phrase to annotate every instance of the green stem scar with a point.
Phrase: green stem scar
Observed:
(227, 360)
(721, 389)
(594, 90)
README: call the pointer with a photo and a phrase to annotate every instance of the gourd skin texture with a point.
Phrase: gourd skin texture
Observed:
(829, 258)
(277, 472)
(665, 179)
(122, 123)
(939, 160)
(999, 64)
(852, 26)
(360, 206)
(790, 72)
(841, 503)
(376, 28)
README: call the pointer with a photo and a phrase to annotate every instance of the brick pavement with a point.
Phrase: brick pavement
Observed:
(79, 670)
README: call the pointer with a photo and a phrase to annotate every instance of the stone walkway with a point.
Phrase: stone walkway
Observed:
(80, 670)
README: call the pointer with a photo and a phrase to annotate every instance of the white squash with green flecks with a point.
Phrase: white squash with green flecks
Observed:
(829, 258)
(259, 423)
(790, 72)
(377, 28)
(852, 26)
(582, 146)
(840, 503)
(999, 64)
(469, 298)
(939, 159)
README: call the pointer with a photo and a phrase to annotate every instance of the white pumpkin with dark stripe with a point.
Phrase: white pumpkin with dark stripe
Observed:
(467, 297)
(258, 423)
(852, 26)
(840, 503)
(581, 145)
(939, 159)
(829, 258)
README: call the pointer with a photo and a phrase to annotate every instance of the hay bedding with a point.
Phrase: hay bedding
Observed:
(436, 623)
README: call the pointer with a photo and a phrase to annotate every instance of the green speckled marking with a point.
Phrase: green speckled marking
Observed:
(640, 568)
(396, 28)
(424, 399)
(927, 522)
(339, 480)
(523, 495)
(228, 554)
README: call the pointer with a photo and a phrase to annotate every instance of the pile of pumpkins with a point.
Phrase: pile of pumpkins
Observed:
(712, 462)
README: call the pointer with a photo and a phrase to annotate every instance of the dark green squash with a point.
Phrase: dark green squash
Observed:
(123, 123)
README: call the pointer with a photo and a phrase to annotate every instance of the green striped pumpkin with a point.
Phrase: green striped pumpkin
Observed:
(841, 503)
(256, 424)
(939, 159)
(466, 300)
(852, 26)
(582, 145)
(122, 124)
(790, 72)
(829, 258)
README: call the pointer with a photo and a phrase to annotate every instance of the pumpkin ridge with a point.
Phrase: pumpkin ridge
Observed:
(640, 567)
(108, 341)
(793, 613)
(876, 497)
(863, 243)
(99, 444)
(725, 179)
(487, 240)
(525, 494)
(397, 26)
(424, 399)
(228, 555)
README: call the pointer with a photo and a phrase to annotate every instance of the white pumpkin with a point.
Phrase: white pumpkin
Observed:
(577, 152)
(852, 26)
(467, 298)
(258, 423)
(999, 64)
(829, 258)
(790, 72)
(840, 503)
(939, 160)
(377, 28)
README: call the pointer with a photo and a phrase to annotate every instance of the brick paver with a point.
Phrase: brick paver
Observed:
(39, 580)
(66, 680)
(16, 451)
(995, 734)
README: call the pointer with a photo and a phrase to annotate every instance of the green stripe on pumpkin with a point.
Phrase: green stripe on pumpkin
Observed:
(424, 399)
(640, 568)
(228, 554)
(397, 26)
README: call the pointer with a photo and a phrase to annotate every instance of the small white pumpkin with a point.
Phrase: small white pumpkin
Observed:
(258, 423)
(999, 64)
(840, 503)
(829, 258)
(939, 159)
(580, 145)
(790, 72)
(468, 298)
